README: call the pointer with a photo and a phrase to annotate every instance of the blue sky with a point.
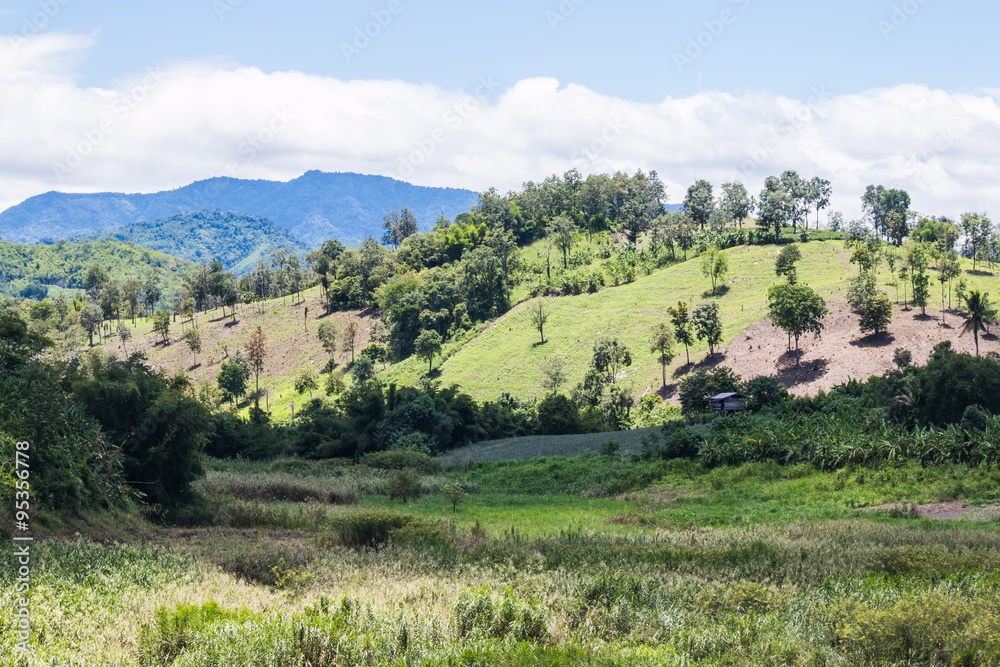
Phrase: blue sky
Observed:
(623, 49)
(143, 96)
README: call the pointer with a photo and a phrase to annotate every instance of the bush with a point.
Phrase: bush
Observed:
(398, 459)
(698, 386)
(557, 415)
(764, 391)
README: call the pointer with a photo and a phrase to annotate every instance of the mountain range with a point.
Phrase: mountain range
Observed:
(313, 207)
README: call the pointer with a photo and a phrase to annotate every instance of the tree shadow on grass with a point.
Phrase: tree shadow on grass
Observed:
(980, 272)
(230, 324)
(881, 339)
(924, 317)
(667, 392)
(719, 292)
(539, 343)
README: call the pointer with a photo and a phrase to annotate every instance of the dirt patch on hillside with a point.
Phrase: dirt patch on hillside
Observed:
(941, 511)
(843, 352)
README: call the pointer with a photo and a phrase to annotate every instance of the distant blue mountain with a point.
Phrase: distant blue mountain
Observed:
(314, 207)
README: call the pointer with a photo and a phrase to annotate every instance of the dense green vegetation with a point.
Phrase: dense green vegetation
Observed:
(238, 240)
(32, 271)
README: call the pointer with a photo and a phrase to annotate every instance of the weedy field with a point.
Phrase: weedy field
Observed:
(599, 560)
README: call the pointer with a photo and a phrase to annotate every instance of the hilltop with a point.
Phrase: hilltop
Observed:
(314, 207)
(238, 240)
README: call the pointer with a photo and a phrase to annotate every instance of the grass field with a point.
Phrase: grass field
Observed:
(759, 564)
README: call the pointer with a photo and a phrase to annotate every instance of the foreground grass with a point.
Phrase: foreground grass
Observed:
(759, 564)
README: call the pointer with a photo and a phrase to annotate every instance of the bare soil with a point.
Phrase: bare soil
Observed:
(951, 510)
(843, 352)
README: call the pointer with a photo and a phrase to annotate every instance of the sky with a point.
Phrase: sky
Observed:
(139, 97)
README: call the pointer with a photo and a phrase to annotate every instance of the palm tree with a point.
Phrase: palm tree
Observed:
(980, 314)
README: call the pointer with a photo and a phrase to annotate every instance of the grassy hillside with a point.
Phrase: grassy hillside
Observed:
(64, 265)
(508, 355)
(238, 240)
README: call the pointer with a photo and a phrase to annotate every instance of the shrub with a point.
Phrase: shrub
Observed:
(370, 528)
(698, 386)
(397, 459)
(420, 532)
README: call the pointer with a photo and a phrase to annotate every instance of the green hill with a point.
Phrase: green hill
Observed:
(238, 240)
(34, 270)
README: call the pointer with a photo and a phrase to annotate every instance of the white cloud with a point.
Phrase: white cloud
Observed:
(168, 126)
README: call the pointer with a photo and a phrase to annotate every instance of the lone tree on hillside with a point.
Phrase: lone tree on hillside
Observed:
(428, 346)
(680, 318)
(90, 319)
(698, 203)
(193, 339)
(554, 370)
(662, 342)
(350, 337)
(232, 380)
(125, 335)
(455, 494)
(979, 314)
(306, 381)
(561, 230)
(256, 349)
(327, 334)
(785, 264)
(876, 314)
(714, 265)
(708, 325)
(539, 316)
(161, 324)
(798, 310)
(610, 357)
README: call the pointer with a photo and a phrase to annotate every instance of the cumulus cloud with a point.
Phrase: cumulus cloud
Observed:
(169, 125)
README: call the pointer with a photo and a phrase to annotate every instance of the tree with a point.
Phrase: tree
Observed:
(334, 384)
(977, 228)
(350, 337)
(714, 265)
(698, 203)
(921, 291)
(785, 264)
(695, 388)
(796, 309)
(91, 318)
(979, 314)
(876, 314)
(736, 201)
(610, 357)
(125, 335)
(327, 334)
(305, 381)
(554, 372)
(131, 293)
(819, 195)
(398, 226)
(232, 380)
(455, 494)
(256, 349)
(708, 325)
(404, 485)
(161, 323)
(661, 342)
(680, 318)
(561, 230)
(428, 346)
(641, 199)
(539, 316)
(193, 339)
(878, 204)
(774, 206)
(96, 278)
